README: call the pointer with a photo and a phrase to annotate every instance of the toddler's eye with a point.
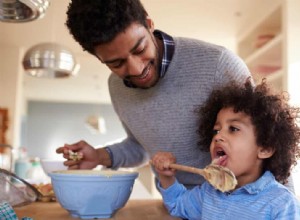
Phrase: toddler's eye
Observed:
(215, 131)
(231, 128)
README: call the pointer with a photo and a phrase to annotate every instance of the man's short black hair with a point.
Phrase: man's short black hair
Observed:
(94, 22)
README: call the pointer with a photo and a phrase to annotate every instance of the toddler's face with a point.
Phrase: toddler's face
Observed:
(234, 145)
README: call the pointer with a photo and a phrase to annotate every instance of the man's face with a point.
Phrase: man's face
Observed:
(133, 55)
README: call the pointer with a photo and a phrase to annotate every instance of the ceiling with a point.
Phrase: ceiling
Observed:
(217, 21)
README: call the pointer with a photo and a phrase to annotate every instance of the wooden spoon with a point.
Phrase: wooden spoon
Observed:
(218, 176)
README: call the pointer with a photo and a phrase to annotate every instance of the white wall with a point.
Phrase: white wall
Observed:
(49, 125)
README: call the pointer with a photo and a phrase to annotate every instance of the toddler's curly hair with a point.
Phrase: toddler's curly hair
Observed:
(275, 122)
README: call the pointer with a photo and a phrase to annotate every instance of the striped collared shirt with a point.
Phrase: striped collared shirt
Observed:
(264, 199)
(169, 46)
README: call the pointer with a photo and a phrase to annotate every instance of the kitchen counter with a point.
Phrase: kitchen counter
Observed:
(133, 210)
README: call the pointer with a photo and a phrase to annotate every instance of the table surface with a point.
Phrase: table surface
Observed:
(133, 210)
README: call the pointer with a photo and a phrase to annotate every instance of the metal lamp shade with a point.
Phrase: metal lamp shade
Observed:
(22, 10)
(50, 60)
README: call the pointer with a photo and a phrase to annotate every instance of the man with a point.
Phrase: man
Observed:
(157, 81)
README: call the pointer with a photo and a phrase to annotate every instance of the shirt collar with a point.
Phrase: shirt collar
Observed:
(259, 185)
(169, 47)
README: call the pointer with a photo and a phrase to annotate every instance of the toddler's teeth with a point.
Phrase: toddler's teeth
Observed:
(215, 161)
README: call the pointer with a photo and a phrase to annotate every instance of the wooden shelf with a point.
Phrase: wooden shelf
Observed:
(270, 24)
(268, 55)
(265, 60)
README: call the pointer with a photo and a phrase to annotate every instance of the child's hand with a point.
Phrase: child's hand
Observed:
(161, 161)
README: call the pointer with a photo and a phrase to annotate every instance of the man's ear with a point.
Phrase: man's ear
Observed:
(150, 24)
(264, 153)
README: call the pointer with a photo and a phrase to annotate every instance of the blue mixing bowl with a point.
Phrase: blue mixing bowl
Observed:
(89, 194)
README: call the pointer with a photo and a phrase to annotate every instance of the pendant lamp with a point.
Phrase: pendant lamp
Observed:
(16, 11)
(50, 60)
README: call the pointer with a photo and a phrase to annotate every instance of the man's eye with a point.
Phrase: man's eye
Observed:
(139, 51)
(115, 64)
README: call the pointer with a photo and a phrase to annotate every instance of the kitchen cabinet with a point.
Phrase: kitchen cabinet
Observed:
(3, 125)
(261, 46)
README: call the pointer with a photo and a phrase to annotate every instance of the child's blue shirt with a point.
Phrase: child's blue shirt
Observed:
(264, 199)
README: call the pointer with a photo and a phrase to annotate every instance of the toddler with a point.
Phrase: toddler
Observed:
(255, 134)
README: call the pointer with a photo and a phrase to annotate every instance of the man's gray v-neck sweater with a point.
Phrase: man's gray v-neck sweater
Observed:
(163, 118)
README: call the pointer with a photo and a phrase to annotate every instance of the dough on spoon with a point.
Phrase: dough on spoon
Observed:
(220, 177)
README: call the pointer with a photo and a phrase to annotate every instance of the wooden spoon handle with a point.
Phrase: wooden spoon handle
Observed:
(187, 169)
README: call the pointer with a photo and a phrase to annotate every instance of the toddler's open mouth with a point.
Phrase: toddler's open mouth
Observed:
(220, 157)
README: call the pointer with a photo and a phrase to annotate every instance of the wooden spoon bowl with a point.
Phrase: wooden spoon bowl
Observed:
(218, 176)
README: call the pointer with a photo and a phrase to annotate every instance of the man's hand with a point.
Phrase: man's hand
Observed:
(87, 157)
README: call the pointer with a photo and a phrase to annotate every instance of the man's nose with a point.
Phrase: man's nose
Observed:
(134, 66)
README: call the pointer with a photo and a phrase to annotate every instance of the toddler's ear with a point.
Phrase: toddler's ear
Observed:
(264, 153)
